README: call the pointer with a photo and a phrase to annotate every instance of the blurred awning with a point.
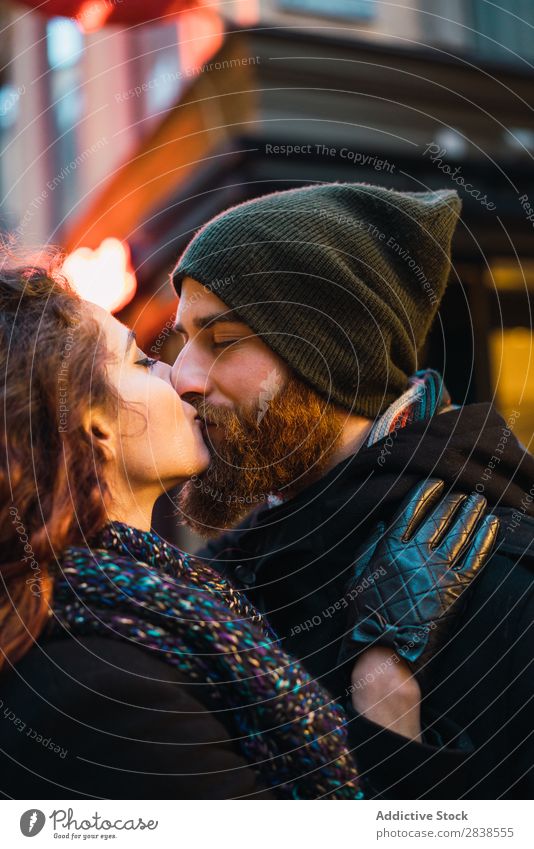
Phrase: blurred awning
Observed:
(213, 110)
(197, 137)
(92, 14)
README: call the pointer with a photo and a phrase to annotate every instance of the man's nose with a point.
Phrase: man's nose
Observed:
(188, 375)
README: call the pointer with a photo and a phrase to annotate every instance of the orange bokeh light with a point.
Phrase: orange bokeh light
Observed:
(103, 276)
(93, 14)
(200, 33)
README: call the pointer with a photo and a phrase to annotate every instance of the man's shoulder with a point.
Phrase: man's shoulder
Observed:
(516, 534)
(506, 583)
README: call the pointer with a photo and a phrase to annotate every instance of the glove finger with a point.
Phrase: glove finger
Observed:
(481, 547)
(455, 541)
(434, 527)
(414, 508)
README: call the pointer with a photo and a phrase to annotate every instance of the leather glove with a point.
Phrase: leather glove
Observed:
(409, 584)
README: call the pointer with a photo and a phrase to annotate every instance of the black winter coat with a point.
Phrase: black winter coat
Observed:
(100, 718)
(294, 560)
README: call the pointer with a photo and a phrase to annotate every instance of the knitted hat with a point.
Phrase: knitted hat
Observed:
(341, 280)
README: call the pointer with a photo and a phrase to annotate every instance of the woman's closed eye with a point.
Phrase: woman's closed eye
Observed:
(147, 362)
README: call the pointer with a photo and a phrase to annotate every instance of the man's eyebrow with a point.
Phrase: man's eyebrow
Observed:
(202, 321)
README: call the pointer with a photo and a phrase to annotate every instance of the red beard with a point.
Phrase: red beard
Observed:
(280, 450)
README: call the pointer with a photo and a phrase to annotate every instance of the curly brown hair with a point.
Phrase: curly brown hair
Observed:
(53, 490)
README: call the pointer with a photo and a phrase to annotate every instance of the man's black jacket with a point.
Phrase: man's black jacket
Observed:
(294, 560)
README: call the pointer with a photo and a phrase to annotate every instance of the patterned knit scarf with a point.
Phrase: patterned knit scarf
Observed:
(426, 395)
(132, 585)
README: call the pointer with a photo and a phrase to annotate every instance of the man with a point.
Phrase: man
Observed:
(303, 314)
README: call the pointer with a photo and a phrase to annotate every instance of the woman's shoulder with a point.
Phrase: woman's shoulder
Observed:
(102, 717)
(61, 664)
(95, 684)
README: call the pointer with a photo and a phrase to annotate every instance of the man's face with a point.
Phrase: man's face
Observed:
(265, 429)
(222, 362)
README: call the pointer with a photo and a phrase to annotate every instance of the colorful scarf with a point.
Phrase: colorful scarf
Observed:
(426, 395)
(132, 585)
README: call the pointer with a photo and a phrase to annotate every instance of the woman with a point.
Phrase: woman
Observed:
(128, 669)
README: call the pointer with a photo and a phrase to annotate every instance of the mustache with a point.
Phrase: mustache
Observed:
(214, 413)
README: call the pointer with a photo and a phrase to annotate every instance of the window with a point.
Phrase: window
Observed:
(64, 50)
(505, 33)
(349, 9)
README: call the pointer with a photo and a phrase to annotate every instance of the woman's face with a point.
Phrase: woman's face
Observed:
(156, 438)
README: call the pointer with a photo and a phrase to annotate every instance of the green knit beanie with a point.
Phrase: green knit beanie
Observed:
(341, 280)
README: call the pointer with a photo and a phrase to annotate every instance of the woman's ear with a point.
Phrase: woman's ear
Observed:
(98, 427)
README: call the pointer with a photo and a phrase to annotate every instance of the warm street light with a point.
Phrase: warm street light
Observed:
(103, 276)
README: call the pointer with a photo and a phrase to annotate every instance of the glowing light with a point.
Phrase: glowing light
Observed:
(103, 276)
(201, 33)
(93, 14)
